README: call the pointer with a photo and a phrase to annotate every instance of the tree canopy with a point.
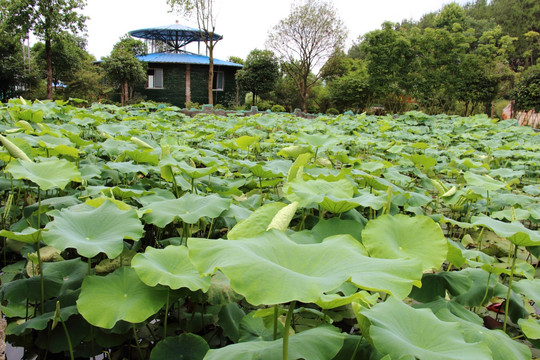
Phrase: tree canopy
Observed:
(47, 19)
(259, 74)
(305, 40)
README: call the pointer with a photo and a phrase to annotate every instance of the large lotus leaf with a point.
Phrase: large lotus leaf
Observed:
(272, 269)
(483, 181)
(48, 174)
(256, 223)
(170, 267)
(401, 331)
(501, 345)
(190, 208)
(93, 230)
(320, 343)
(314, 191)
(121, 295)
(185, 346)
(513, 231)
(401, 236)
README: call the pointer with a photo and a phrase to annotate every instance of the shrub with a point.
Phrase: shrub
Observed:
(277, 108)
(332, 111)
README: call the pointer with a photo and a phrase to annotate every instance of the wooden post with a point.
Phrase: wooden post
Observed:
(188, 83)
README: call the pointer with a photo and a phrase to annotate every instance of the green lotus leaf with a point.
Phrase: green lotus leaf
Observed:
(293, 151)
(72, 272)
(28, 235)
(93, 230)
(272, 269)
(483, 181)
(422, 160)
(318, 140)
(121, 295)
(336, 226)
(530, 327)
(393, 237)
(127, 167)
(332, 301)
(314, 191)
(253, 328)
(170, 267)
(513, 231)
(501, 345)
(143, 157)
(230, 317)
(256, 223)
(48, 174)
(401, 331)
(196, 173)
(40, 322)
(529, 288)
(185, 346)
(244, 142)
(320, 343)
(189, 208)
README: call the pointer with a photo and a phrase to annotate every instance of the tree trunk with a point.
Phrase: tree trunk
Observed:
(211, 72)
(49, 67)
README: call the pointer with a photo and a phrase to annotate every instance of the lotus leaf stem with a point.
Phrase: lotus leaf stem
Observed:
(507, 303)
(137, 342)
(286, 330)
(275, 321)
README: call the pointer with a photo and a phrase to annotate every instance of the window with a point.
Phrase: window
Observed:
(155, 78)
(219, 78)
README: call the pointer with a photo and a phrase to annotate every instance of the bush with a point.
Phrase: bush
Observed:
(332, 111)
(277, 108)
(193, 105)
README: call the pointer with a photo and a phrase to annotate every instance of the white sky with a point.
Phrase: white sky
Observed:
(244, 24)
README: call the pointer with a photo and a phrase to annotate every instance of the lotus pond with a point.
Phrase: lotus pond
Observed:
(141, 233)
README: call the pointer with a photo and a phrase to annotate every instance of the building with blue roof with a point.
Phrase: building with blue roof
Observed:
(177, 76)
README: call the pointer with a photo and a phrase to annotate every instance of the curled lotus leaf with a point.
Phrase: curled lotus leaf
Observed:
(171, 267)
(273, 269)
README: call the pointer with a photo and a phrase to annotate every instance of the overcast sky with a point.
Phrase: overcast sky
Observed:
(244, 24)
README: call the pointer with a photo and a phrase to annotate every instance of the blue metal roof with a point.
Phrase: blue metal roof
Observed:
(175, 35)
(184, 58)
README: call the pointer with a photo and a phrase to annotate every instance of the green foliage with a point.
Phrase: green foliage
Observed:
(277, 108)
(131, 225)
(259, 74)
(122, 68)
(527, 91)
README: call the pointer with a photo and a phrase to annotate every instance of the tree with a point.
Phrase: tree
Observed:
(259, 74)
(123, 69)
(46, 19)
(203, 10)
(390, 62)
(351, 89)
(67, 57)
(11, 64)
(305, 40)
